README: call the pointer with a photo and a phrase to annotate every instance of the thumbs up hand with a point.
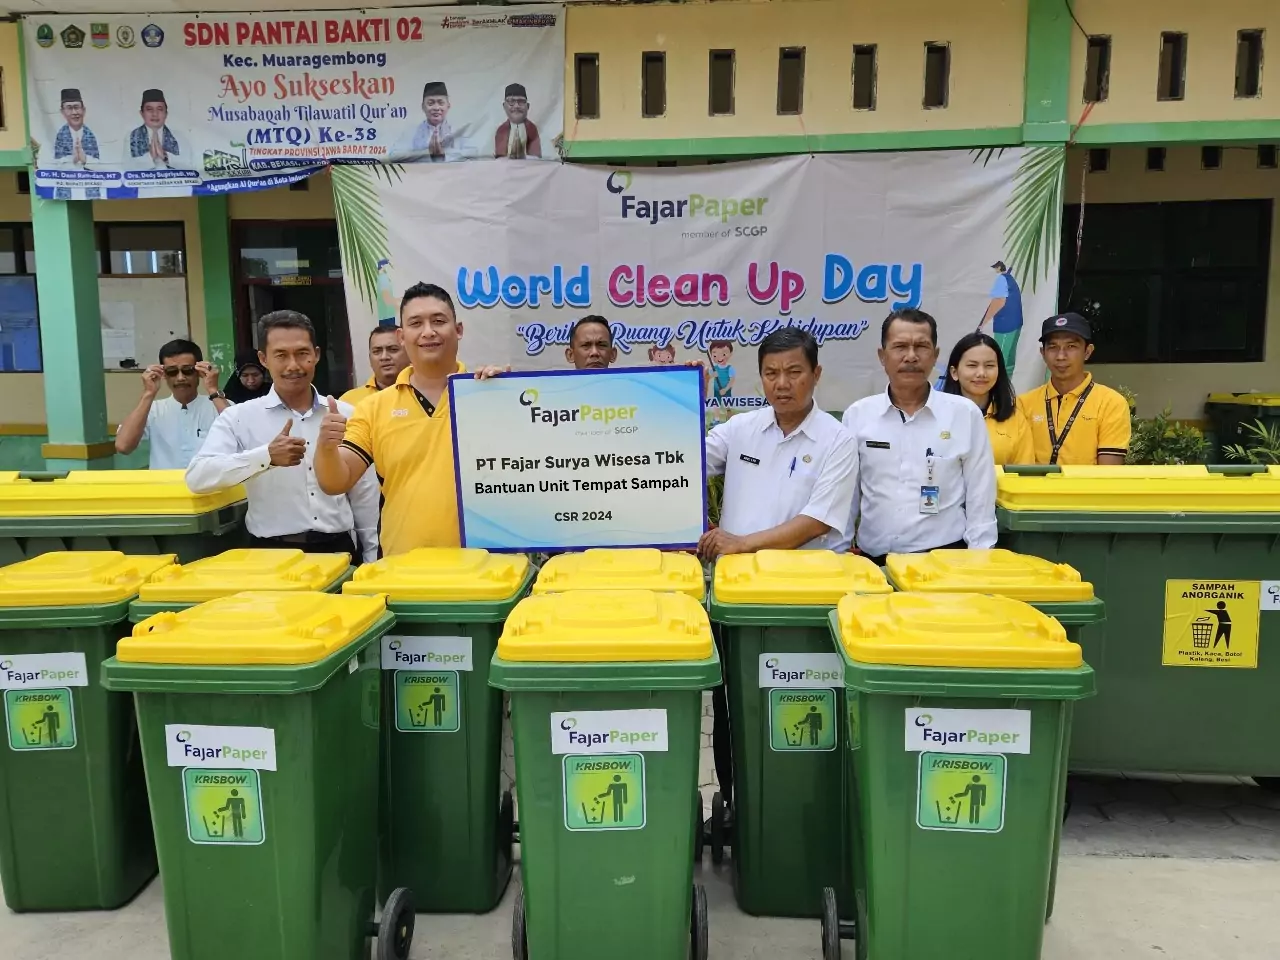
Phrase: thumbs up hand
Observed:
(286, 450)
(334, 425)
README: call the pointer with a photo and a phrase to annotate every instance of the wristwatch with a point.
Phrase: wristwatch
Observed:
(219, 395)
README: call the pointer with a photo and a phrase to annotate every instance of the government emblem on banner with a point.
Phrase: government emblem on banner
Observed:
(100, 35)
(152, 36)
(125, 37)
(72, 37)
(44, 35)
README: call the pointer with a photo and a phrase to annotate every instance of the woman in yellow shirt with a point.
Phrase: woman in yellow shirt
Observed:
(976, 370)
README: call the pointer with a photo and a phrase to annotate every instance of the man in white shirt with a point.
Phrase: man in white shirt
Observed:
(789, 470)
(789, 476)
(178, 424)
(927, 478)
(268, 444)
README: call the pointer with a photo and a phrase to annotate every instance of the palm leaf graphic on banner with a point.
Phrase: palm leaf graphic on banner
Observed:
(362, 231)
(1034, 215)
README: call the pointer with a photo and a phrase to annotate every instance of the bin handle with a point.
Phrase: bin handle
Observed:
(1032, 469)
(164, 620)
(43, 476)
(1237, 469)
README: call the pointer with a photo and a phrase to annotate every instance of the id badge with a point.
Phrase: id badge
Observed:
(928, 499)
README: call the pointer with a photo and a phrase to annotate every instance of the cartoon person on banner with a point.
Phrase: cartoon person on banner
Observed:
(720, 376)
(663, 356)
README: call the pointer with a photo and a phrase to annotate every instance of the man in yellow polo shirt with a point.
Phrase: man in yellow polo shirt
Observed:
(387, 358)
(1074, 419)
(404, 431)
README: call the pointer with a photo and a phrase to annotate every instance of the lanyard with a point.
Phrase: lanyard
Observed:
(1058, 441)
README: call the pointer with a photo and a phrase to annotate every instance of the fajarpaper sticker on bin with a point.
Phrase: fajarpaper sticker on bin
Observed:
(200, 745)
(23, 671)
(800, 670)
(609, 731)
(968, 731)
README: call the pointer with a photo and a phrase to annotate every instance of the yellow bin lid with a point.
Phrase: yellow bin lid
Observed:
(953, 630)
(77, 577)
(606, 626)
(267, 627)
(108, 493)
(1002, 572)
(607, 569)
(796, 577)
(238, 570)
(1086, 488)
(1248, 399)
(441, 575)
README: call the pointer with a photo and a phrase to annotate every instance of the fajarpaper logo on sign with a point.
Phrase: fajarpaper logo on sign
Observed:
(586, 413)
(24, 671)
(968, 731)
(694, 206)
(426, 653)
(237, 748)
(609, 731)
(801, 670)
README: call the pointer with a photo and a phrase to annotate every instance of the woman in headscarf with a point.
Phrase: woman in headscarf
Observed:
(249, 379)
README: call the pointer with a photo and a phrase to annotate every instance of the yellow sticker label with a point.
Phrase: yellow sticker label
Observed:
(1211, 623)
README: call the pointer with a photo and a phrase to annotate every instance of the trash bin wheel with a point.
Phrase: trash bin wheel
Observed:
(718, 823)
(519, 943)
(698, 838)
(699, 937)
(507, 819)
(1268, 783)
(830, 925)
(395, 932)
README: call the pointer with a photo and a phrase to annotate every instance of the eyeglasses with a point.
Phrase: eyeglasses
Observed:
(516, 102)
(172, 372)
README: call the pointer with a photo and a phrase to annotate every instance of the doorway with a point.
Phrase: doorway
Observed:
(295, 265)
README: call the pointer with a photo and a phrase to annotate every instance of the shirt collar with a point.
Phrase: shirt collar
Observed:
(407, 372)
(806, 425)
(1051, 393)
(888, 403)
(273, 398)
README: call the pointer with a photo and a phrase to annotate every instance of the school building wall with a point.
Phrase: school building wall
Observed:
(1184, 386)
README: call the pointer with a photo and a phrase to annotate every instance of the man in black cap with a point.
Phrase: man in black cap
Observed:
(517, 138)
(434, 139)
(153, 145)
(75, 143)
(1074, 419)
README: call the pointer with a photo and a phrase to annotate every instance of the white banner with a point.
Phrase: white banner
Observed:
(704, 262)
(174, 104)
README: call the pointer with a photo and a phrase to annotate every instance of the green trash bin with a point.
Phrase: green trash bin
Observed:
(1230, 413)
(74, 831)
(1052, 588)
(446, 825)
(132, 511)
(1163, 547)
(259, 722)
(606, 702)
(959, 713)
(184, 585)
(786, 698)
